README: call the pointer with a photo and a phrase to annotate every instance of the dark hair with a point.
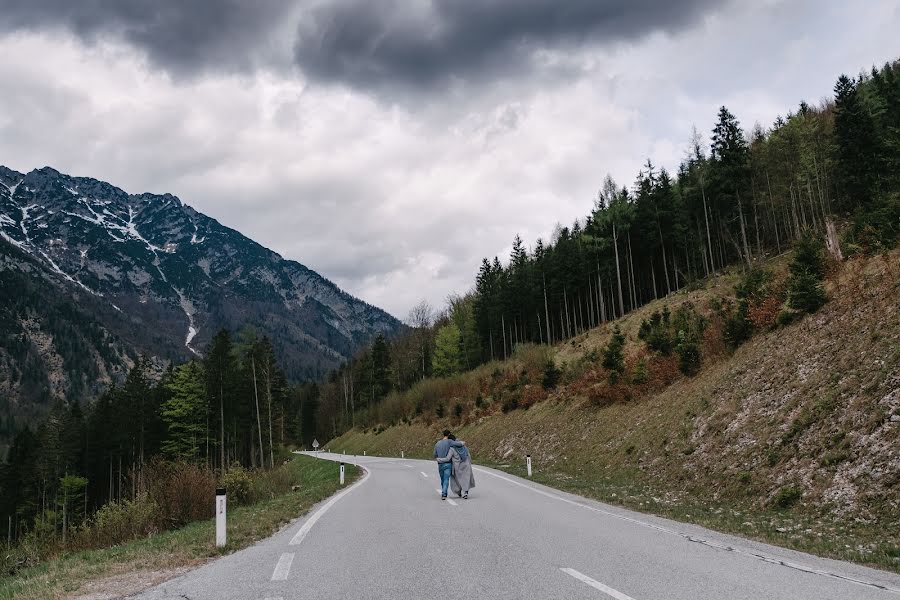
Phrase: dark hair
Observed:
(451, 436)
(446, 433)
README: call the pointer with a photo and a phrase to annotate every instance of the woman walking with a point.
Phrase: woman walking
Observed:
(462, 479)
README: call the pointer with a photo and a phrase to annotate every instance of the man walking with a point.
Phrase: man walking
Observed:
(441, 450)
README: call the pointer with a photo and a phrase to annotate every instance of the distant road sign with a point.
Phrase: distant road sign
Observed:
(315, 444)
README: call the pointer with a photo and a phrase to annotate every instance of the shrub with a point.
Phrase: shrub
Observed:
(640, 375)
(786, 317)
(237, 484)
(876, 229)
(613, 359)
(458, 410)
(551, 375)
(805, 291)
(787, 497)
(268, 483)
(688, 354)
(118, 522)
(181, 491)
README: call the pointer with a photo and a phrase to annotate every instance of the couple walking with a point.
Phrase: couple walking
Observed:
(454, 466)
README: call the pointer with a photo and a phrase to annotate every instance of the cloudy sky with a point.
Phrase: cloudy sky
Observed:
(391, 144)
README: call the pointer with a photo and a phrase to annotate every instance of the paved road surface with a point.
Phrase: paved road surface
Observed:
(390, 536)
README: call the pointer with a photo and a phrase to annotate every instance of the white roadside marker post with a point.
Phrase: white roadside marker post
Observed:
(528, 462)
(342, 473)
(364, 452)
(220, 517)
(401, 454)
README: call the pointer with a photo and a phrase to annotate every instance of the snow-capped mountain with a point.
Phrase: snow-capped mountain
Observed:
(164, 278)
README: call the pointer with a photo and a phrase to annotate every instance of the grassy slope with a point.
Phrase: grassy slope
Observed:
(807, 408)
(125, 569)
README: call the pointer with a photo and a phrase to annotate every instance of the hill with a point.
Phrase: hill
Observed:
(791, 438)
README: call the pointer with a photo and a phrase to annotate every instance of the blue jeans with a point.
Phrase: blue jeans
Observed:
(444, 470)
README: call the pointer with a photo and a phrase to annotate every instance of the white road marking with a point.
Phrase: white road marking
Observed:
(424, 474)
(301, 533)
(275, 598)
(408, 466)
(450, 500)
(596, 584)
(719, 546)
(283, 568)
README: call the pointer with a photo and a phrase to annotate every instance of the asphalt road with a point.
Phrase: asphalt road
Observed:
(390, 536)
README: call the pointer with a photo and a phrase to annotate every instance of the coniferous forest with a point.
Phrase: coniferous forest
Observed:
(738, 196)
(231, 410)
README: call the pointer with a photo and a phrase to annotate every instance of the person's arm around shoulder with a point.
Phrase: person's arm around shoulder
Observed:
(457, 444)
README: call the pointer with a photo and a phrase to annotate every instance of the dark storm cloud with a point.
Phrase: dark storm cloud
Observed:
(367, 43)
(181, 36)
(419, 43)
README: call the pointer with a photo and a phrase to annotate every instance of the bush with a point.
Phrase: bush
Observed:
(118, 522)
(805, 291)
(237, 483)
(181, 491)
(266, 484)
(786, 317)
(640, 375)
(787, 497)
(876, 229)
(688, 351)
(551, 375)
(613, 359)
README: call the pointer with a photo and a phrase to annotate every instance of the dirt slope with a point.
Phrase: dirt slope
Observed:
(794, 438)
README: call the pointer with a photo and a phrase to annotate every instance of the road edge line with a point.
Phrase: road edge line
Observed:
(311, 521)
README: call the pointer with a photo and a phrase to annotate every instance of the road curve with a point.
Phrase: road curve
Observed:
(389, 536)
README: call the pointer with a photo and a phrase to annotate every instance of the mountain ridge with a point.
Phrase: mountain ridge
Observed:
(172, 275)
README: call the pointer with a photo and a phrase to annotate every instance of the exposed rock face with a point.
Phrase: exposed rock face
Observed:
(163, 278)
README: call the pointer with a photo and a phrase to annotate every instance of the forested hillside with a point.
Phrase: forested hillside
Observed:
(201, 421)
(719, 346)
(745, 196)
(93, 277)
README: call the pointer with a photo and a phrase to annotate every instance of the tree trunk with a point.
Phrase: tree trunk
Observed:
(547, 310)
(712, 262)
(262, 456)
(503, 331)
(747, 255)
(269, 402)
(221, 422)
(618, 271)
(600, 294)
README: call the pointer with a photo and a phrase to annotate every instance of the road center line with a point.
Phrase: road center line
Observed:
(596, 584)
(424, 474)
(709, 543)
(283, 568)
(301, 533)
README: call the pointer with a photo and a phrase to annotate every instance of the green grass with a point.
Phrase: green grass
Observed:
(122, 566)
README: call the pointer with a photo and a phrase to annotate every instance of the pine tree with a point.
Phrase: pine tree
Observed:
(183, 412)
(446, 360)
(805, 290)
(613, 359)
